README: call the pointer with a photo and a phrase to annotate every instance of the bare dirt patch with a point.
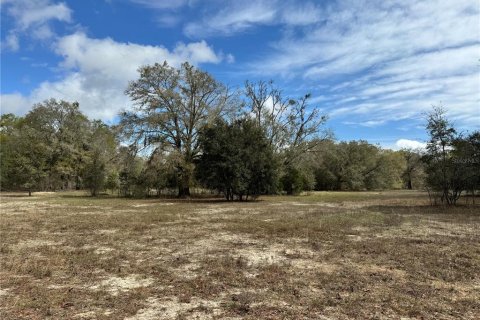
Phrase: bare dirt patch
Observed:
(114, 285)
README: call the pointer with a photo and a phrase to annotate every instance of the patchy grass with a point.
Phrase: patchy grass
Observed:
(325, 255)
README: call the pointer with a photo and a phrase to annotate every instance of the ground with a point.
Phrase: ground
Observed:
(381, 255)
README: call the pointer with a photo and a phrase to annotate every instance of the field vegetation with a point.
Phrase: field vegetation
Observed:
(322, 255)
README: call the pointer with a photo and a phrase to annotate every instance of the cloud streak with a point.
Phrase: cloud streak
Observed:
(396, 59)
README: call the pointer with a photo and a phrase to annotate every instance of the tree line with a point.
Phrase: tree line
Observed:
(187, 129)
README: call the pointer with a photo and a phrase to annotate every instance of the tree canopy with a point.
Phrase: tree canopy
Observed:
(236, 159)
(187, 129)
(172, 105)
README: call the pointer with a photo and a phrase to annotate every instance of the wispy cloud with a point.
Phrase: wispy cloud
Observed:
(396, 59)
(215, 18)
(162, 4)
(239, 16)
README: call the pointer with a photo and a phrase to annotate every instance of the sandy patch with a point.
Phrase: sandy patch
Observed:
(171, 308)
(116, 285)
(256, 256)
(4, 292)
(431, 228)
(106, 231)
(33, 243)
(103, 250)
(92, 207)
(141, 205)
(188, 270)
(26, 207)
(86, 315)
(306, 264)
(213, 210)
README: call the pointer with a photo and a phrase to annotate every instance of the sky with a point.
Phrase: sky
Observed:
(374, 67)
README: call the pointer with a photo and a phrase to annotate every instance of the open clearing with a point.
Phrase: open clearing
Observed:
(327, 255)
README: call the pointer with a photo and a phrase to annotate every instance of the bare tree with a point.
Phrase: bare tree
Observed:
(291, 125)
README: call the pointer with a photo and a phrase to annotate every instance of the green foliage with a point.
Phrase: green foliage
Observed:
(100, 149)
(445, 176)
(172, 105)
(186, 125)
(44, 149)
(413, 175)
(356, 165)
(466, 154)
(236, 159)
(130, 179)
(293, 181)
(113, 181)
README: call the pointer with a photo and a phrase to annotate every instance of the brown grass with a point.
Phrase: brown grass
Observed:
(328, 255)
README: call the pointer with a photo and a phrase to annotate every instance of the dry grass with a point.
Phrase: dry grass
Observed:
(324, 255)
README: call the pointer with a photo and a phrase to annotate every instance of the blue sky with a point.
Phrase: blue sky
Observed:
(375, 67)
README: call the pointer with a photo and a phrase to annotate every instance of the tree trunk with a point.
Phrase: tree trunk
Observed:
(183, 192)
(409, 185)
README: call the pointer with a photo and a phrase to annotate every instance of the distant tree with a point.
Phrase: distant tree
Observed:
(292, 128)
(356, 165)
(443, 172)
(171, 107)
(130, 170)
(293, 181)
(58, 131)
(99, 154)
(20, 166)
(389, 170)
(159, 172)
(236, 159)
(466, 157)
(44, 149)
(412, 175)
(113, 181)
(291, 125)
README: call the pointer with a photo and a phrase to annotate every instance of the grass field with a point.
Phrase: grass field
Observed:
(362, 255)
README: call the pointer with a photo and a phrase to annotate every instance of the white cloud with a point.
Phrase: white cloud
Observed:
(97, 71)
(28, 13)
(14, 103)
(410, 144)
(31, 18)
(11, 42)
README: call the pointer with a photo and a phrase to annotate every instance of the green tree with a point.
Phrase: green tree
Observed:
(58, 130)
(356, 165)
(130, 172)
(99, 154)
(171, 107)
(413, 174)
(20, 158)
(444, 174)
(293, 182)
(236, 159)
(466, 157)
